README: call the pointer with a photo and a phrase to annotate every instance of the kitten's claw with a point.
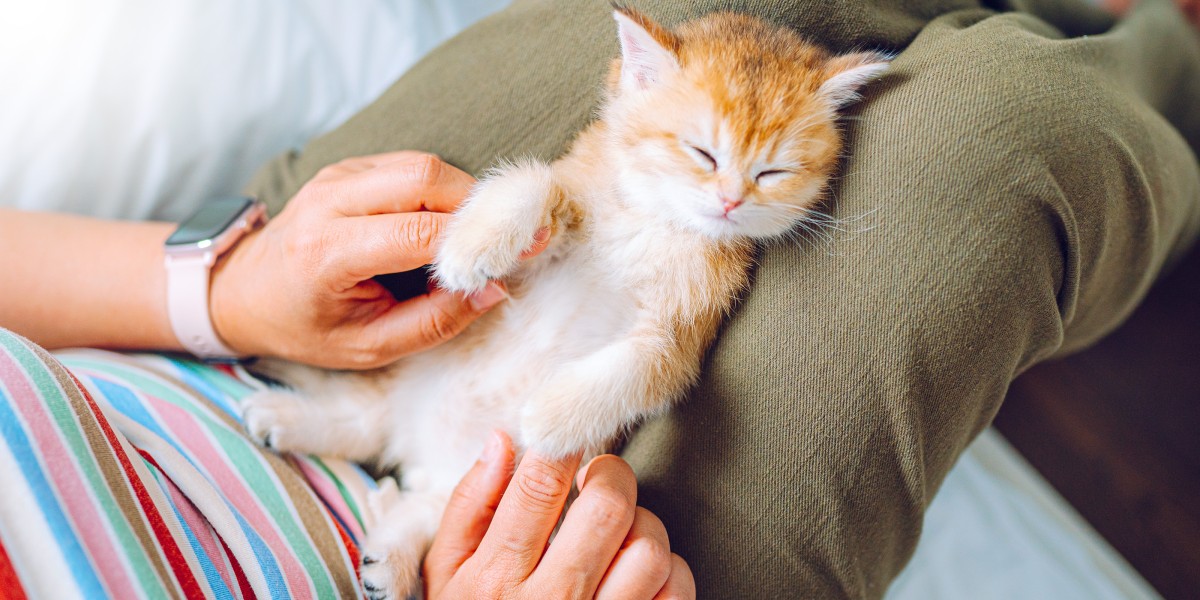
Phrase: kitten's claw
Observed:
(391, 556)
(374, 592)
(390, 573)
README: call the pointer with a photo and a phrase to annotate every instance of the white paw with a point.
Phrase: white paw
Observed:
(485, 239)
(391, 560)
(390, 573)
(271, 418)
(467, 265)
(556, 426)
(380, 501)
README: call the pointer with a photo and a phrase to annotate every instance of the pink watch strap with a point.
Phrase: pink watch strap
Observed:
(187, 305)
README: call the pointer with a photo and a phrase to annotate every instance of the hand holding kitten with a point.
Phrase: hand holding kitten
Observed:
(302, 287)
(492, 540)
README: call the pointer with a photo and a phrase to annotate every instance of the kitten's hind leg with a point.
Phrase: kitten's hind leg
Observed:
(497, 223)
(331, 414)
(593, 398)
(399, 532)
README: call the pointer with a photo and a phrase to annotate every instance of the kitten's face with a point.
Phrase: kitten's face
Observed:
(727, 127)
(721, 171)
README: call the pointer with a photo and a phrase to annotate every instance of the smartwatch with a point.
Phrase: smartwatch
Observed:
(191, 252)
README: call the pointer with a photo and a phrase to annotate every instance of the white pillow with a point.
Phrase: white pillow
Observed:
(141, 109)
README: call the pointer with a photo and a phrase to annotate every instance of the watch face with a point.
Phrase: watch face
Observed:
(213, 217)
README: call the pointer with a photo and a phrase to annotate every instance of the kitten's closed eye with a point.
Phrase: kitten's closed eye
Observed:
(703, 157)
(770, 176)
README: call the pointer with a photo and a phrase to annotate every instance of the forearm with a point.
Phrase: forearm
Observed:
(68, 281)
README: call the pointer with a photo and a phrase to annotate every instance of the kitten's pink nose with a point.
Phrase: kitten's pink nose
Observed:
(731, 203)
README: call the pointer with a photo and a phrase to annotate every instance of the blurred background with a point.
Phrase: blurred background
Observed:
(142, 108)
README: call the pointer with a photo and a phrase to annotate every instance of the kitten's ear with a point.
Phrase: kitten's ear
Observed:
(849, 72)
(648, 51)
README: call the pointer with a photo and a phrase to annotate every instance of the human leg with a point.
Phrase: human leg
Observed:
(1015, 204)
(129, 477)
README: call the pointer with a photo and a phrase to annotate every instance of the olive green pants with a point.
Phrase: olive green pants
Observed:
(1013, 186)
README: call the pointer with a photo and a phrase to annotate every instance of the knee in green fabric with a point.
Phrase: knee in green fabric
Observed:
(1010, 104)
(849, 381)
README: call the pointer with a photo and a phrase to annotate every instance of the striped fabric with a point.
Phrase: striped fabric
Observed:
(129, 477)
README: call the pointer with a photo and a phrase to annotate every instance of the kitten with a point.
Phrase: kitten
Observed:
(712, 136)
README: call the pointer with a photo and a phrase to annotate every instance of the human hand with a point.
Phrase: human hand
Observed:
(492, 539)
(301, 288)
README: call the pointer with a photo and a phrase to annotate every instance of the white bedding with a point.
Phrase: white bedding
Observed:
(140, 109)
(997, 530)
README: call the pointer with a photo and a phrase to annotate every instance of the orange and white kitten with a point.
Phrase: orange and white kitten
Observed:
(712, 136)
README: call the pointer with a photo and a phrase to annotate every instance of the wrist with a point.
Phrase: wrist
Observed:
(193, 254)
(226, 302)
(158, 333)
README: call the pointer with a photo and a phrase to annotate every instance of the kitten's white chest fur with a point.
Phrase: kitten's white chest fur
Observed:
(568, 305)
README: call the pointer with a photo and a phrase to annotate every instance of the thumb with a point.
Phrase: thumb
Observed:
(469, 512)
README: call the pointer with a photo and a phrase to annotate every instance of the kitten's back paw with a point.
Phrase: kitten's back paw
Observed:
(390, 572)
(381, 501)
(400, 527)
(271, 418)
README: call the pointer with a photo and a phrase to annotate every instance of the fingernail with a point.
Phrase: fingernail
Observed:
(581, 475)
(491, 449)
(488, 296)
(541, 235)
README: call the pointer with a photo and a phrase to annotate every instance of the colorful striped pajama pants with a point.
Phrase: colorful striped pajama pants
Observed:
(129, 476)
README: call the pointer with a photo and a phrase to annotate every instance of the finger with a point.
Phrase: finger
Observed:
(680, 584)
(527, 514)
(469, 512)
(643, 563)
(541, 239)
(421, 182)
(420, 323)
(358, 164)
(360, 248)
(593, 530)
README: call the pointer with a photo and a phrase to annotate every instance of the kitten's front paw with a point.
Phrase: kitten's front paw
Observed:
(485, 239)
(270, 417)
(467, 265)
